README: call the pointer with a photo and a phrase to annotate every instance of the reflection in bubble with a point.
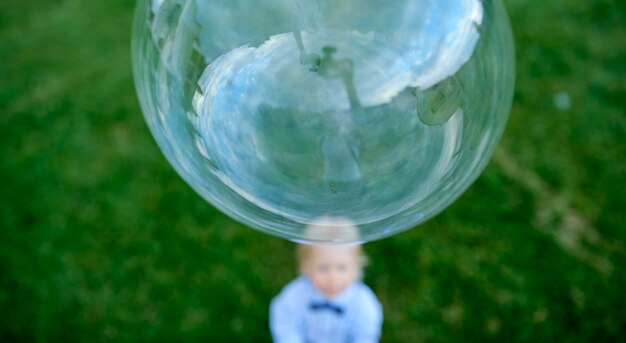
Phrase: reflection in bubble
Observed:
(283, 112)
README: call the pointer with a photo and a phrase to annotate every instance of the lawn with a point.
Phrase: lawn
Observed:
(102, 240)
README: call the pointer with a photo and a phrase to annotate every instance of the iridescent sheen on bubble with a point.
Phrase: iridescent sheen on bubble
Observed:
(286, 111)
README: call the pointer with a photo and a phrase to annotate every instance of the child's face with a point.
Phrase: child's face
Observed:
(332, 268)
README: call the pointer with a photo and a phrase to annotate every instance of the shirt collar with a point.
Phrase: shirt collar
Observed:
(342, 299)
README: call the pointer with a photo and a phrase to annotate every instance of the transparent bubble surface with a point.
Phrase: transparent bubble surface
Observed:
(282, 112)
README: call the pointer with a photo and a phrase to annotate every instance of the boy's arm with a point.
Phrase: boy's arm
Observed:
(286, 320)
(368, 327)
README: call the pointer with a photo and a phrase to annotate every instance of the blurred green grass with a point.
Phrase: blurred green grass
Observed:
(101, 240)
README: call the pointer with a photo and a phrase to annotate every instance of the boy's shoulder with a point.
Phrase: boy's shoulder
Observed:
(299, 284)
(364, 298)
(295, 289)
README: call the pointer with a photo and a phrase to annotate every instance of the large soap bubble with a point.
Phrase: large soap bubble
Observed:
(282, 112)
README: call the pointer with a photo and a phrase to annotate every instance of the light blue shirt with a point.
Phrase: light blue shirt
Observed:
(302, 314)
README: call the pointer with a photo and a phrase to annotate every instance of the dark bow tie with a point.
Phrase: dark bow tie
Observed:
(325, 305)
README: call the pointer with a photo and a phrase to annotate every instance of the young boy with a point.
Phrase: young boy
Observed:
(328, 302)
